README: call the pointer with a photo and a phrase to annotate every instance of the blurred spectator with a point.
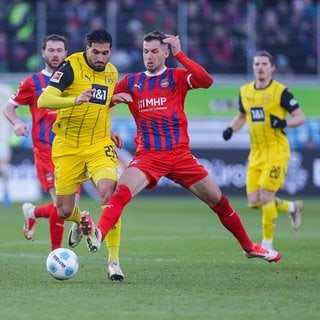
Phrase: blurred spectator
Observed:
(216, 32)
(220, 50)
(4, 59)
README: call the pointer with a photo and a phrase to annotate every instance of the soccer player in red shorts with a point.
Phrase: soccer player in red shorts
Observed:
(53, 52)
(156, 100)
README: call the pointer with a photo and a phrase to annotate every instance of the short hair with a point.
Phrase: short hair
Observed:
(54, 37)
(155, 35)
(99, 36)
(264, 53)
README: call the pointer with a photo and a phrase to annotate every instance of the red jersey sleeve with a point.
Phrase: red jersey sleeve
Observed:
(200, 78)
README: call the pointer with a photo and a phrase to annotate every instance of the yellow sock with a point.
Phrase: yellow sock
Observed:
(283, 205)
(269, 217)
(113, 242)
(256, 205)
(75, 215)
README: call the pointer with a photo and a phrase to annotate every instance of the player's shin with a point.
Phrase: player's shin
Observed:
(113, 241)
(113, 210)
(231, 221)
(269, 217)
(56, 229)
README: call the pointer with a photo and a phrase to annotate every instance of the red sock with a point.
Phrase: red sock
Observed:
(43, 211)
(231, 220)
(112, 211)
(56, 227)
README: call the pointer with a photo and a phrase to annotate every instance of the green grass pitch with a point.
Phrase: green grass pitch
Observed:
(179, 263)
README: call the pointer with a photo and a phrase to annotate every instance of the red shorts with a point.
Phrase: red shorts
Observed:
(45, 168)
(179, 166)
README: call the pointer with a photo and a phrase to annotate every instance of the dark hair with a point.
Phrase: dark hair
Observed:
(264, 53)
(54, 37)
(155, 35)
(99, 36)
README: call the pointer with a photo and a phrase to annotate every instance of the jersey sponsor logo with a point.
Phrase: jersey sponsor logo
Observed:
(100, 95)
(56, 77)
(257, 114)
(152, 104)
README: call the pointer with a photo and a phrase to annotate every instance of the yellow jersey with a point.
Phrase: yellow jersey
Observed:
(88, 123)
(267, 143)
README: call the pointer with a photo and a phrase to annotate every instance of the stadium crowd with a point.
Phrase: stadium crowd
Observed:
(221, 35)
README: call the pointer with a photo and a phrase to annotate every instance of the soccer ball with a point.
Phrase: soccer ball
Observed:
(62, 263)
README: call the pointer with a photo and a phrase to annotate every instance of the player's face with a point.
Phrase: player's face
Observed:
(54, 53)
(154, 55)
(262, 68)
(98, 55)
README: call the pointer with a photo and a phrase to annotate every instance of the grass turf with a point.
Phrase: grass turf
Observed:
(179, 263)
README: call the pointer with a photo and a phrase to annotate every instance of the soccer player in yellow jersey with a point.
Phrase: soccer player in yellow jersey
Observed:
(84, 148)
(264, 105)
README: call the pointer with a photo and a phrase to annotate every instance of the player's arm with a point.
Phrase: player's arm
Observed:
(116, 138)
(62, 78)
(291, 105)
(237, 123)
(200, 78)
(51, 98)
(297, 118)
(20, 127)
(121, 93)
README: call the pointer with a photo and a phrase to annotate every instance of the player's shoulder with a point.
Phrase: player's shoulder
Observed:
(278, 84)
(75, 56)
(248, 85)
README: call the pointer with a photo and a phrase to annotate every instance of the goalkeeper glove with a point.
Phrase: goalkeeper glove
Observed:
(277, 122)
(227, 134)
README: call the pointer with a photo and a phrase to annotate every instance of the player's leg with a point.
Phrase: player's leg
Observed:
(194, 177)
(208, 191)
(293, 208)
(255, 174)
(103, 172)
(112, 241)
(271, 180)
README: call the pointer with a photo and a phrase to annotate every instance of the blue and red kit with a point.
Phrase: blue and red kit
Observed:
(162, 139)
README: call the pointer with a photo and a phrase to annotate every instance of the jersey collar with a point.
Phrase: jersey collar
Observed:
(149, 74)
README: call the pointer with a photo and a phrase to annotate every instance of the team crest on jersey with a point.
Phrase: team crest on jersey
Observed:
(110, 80)
(164, 83)
(56, 77)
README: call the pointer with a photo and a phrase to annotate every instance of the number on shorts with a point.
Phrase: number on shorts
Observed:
(275, 172)
(111, 153)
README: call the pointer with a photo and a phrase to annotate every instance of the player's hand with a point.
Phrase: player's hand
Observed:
(227, 134)
(85, 96)
(116, 138)
(21, 129)
(121, 97)
(277, 122)
(174, 41)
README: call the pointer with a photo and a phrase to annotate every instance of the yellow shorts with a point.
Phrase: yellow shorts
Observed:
(73, 165)
(269, 175)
